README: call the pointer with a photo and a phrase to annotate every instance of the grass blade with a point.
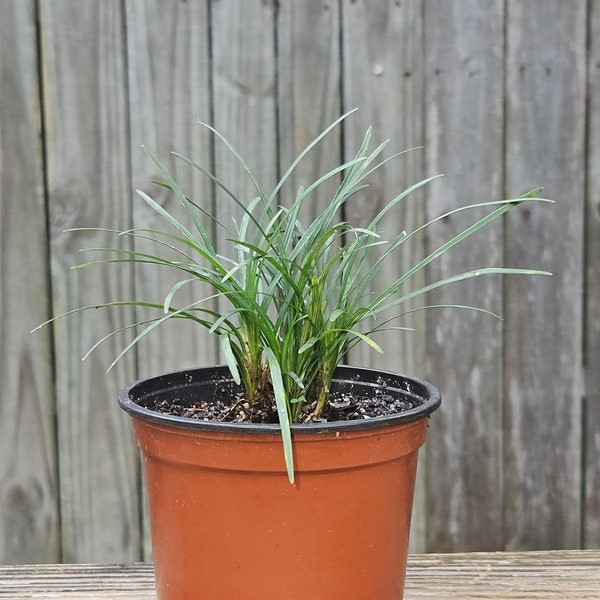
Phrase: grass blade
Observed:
(282, 410)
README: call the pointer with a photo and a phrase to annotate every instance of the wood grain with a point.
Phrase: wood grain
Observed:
(88, 186)
(169, 92)
(484, 576)
(382, 76)
(244, 80)
(504, 576)
(591, 523)
(28, 475)
(464, 348)
(308, 67)
(544, 146)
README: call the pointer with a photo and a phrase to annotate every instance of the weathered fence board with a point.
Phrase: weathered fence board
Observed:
(544, 144)
(464, 114)
(382, 76)
(495, 91)
(88, 186)
(169, 91)
(308, 95)
(244, 80)
(591, 525)
(28, 478)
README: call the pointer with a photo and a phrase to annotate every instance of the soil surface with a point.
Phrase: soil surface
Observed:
(340, 407)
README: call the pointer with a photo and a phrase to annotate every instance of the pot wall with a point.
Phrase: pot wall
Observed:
(226, 523)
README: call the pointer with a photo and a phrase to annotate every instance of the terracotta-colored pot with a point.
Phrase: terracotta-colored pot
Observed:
(227, 524)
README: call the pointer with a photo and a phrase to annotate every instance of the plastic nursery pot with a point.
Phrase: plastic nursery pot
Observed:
(225, 521)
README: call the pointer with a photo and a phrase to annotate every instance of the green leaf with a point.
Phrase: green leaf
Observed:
(230, 357)
(336, 314)
(282, 410)
(308, 344)
(296, 379)
(173, 291)
(190, 207)
(367, 340)
(304, 152)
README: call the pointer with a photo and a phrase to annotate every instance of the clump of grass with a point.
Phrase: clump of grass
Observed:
(297, 292)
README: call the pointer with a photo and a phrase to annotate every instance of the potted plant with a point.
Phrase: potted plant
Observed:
(282, 474)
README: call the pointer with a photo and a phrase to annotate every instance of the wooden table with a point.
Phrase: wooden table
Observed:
(564, 575)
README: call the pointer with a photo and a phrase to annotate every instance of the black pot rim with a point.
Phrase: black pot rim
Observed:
(220, 375)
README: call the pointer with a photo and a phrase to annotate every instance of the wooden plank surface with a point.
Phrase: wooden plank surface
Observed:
(464, 115)
(504, 576)
(591, 464)
(28, 474)
(484, 576)
(544, 146)
(88, 186)
(78, 582)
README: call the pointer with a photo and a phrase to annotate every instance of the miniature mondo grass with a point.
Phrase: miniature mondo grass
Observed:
(294, 296)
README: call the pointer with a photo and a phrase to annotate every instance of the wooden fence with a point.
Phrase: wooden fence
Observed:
(503, 95)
